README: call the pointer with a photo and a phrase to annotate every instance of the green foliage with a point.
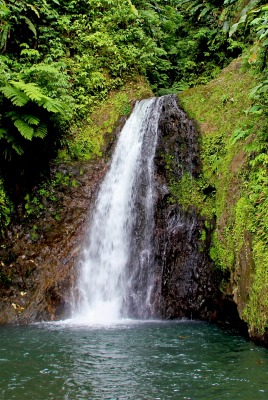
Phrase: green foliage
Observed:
(87, 141)
(62, 64)
(49, 192)
(25, 110)
(234, 154)
(195, 193)
(6, 208)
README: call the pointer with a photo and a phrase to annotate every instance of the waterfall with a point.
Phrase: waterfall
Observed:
(114, 279)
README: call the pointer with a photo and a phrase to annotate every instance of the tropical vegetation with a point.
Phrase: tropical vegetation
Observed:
(61, 60)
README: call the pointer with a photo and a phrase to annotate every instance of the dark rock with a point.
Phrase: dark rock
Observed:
(177, 278)
(37, 275)
(189, 284)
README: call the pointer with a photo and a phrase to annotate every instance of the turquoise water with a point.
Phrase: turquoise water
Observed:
(149, 360)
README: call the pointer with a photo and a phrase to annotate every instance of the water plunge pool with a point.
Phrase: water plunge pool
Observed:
(130, 360)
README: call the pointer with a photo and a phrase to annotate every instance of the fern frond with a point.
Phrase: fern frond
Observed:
(3, 133)
(34, 9)
(17, 97)
(30, 25)
(30, 53)
(30, 89)
(4, 11)
(24, 129)
(18, 149)
(4, 35)
(30, 119)
(11, 140)
(52, 105)
(41, 131)
(43, 68)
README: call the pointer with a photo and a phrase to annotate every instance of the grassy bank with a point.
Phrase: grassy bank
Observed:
(232, 189)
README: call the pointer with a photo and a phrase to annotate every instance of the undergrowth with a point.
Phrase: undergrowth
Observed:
(86, 141)
(233, 186)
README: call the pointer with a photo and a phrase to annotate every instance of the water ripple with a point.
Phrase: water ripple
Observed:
(151, 360)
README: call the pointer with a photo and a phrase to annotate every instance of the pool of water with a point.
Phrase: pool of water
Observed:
(131, 360)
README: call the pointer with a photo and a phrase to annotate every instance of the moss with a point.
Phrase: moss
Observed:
(88, 140)
(6, 208)
(234, 162)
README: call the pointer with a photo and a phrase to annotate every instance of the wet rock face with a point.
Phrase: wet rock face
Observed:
(38, 268)
(39, 273)
(187, 283)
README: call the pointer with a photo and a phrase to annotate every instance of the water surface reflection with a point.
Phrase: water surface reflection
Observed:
(151, 360)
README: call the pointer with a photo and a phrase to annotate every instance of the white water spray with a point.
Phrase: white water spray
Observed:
(102, 282)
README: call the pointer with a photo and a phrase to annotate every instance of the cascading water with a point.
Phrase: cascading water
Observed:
(106, 276)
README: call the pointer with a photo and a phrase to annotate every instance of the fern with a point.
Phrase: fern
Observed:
(17, 97)
(30, 89)
(26, 130)
(21, 93)
(24, 123)
(31, 119)
(4, 35)
(18, 149)
(41, 131)
(3, 133)
(30, 25)
(34, 9)
(43, 68)
(52, 105)
(15, 146)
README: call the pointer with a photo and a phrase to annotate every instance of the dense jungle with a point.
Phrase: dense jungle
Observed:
(70, 71)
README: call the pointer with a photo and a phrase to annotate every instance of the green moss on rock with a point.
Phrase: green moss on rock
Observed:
(234, 162)
(88, 140)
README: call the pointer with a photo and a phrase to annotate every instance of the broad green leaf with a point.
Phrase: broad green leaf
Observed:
(233, 29)
(239, 134)
(256, 110)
